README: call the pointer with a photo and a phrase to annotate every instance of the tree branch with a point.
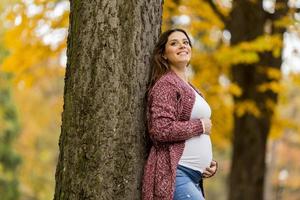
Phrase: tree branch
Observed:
(213, 6)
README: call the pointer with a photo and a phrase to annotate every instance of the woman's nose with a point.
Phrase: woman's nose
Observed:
(182, 45)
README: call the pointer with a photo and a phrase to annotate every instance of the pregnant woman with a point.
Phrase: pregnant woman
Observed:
(179, 125)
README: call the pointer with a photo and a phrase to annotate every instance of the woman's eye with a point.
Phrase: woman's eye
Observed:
(186, 42)
(174, 43)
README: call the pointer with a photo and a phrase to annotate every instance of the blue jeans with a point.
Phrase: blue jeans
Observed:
(188, 184)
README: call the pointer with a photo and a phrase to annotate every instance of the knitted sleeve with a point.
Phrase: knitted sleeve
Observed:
(163, 122)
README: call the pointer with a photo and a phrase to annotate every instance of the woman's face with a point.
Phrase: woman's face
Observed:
(177, 50)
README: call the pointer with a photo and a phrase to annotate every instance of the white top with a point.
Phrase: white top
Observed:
(197, 153)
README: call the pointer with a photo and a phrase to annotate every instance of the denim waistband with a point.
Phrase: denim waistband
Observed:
(195, 175)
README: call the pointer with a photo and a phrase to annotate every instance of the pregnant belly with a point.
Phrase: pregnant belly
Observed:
(197, 153)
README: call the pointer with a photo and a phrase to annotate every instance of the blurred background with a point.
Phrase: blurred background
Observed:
(32, 64)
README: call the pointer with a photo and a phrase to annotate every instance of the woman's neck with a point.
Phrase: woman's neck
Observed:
(181, 73)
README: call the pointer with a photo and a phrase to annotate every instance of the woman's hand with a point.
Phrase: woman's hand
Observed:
(211, 170)
(207, 125)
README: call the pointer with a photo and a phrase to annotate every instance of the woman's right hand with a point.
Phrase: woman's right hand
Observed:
(207, 125)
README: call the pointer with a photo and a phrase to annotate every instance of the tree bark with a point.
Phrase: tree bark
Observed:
(102, 142)
(247, 22)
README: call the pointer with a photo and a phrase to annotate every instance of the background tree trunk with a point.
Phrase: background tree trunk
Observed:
(102, 147)
(9, 132)
(247, 22)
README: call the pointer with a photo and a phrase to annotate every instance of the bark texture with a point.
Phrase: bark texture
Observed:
(247, 22)
(102, 142)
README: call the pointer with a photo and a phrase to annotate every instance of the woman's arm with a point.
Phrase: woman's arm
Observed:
(163, 120)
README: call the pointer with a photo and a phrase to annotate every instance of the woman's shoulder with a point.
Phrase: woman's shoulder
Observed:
(169, 79)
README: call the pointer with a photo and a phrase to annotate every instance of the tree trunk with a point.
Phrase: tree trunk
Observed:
(247, 22)
(102, 143)
(9, 131)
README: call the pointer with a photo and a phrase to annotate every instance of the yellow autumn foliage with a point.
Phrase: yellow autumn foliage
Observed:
(234, 89)
(274, 86)
(247, 52)
(273, 73)
(249, 107)
(34, 35)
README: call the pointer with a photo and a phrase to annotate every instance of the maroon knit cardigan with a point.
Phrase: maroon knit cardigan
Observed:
(170, 103)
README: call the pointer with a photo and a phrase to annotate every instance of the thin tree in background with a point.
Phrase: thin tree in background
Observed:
(102, 142)
(248, 21)
(9, 130)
